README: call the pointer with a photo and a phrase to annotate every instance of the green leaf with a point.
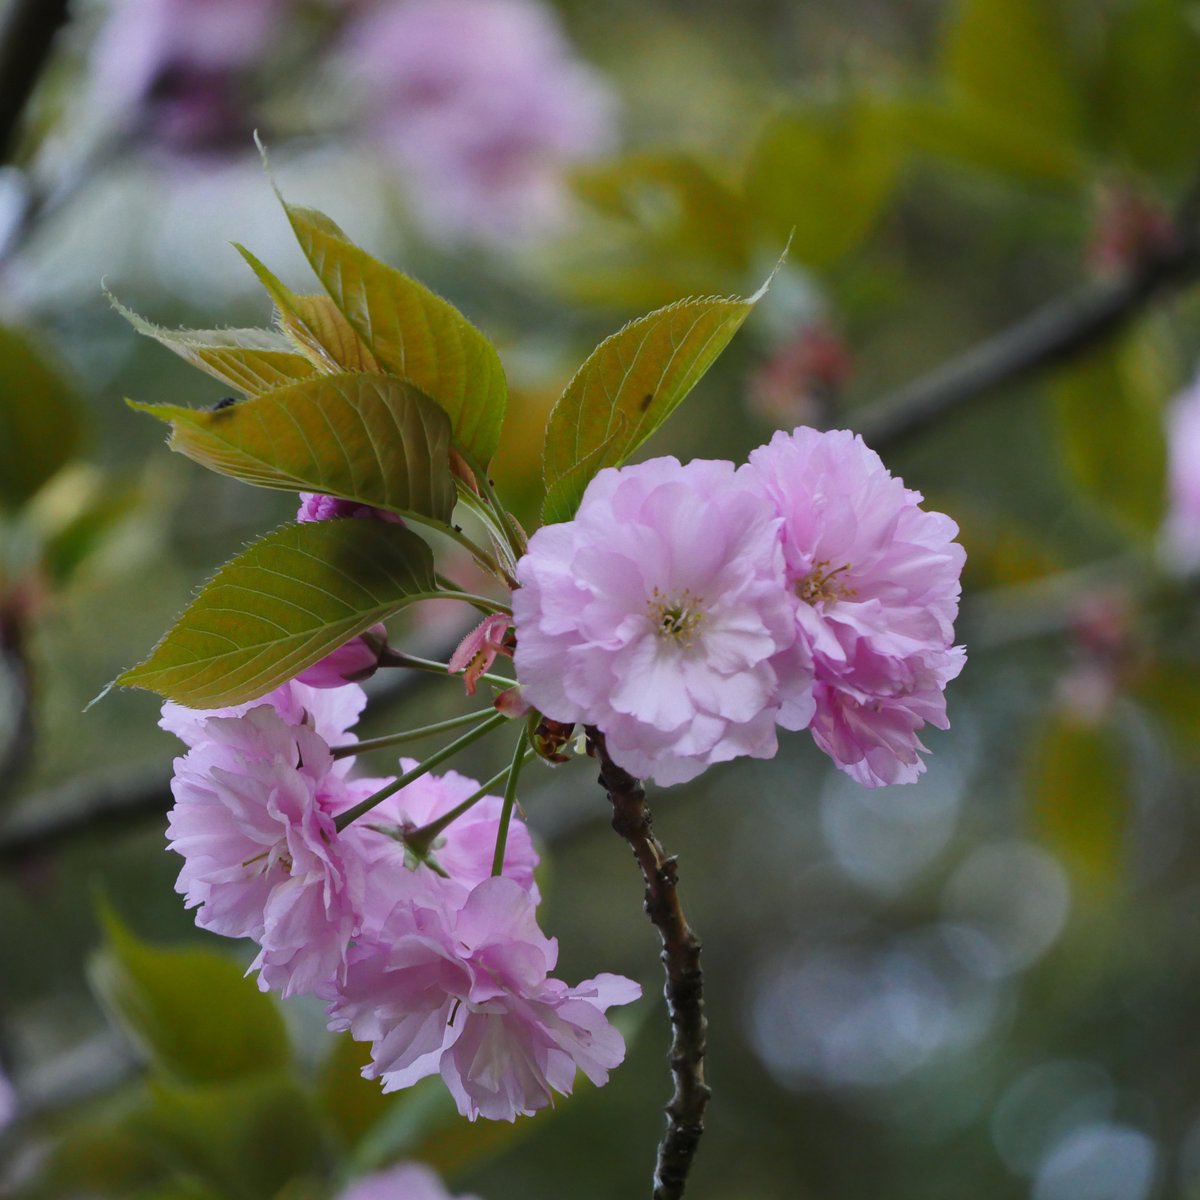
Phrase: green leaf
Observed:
(412, 332)
(353, 1105)
(667, 225)
(985, 139)
(193, 1013)
(41, 426)
(1012, 58)
(370, 438)
(250, 360)
(628, 387)
(1079, 792)
(245, 1139)
(1148, 96)
(826, 172)
(314, 326)
(1112, 431)
(283, 604)
(425, 1125)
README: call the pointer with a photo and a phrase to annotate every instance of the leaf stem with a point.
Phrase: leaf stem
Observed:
(508, 526)
(409, 735)
(397, 658)
(420, 840)
(510, 798)
(438, 757)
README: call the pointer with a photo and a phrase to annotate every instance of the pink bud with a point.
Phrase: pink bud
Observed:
(478, 650)
(358, 659)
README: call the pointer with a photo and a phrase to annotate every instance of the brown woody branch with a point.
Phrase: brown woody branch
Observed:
(26, 38)
(1055, 333)
(684, 988)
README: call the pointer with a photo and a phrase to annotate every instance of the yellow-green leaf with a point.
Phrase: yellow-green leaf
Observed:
(193, 1013)
(41, 427)
(246, 1139)
(628, 387)
(412, 332)
(824, 171)
(1012, 57)
(283, 604)
(314, 326)
(250, 360)
(1079, 792)
(1112, 431)
(370, 438)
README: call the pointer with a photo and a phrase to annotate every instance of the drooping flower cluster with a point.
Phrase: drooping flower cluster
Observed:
(438, 964)
(688, 610)
(482, 105)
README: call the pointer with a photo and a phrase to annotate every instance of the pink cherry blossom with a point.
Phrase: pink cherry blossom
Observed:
(478, 650)
(461, 855)
(1181, 532)
(874, 583)
(656, 615)
(328, 712)
(465, 991)
(481, 104)
(403, 1181)
(316, 506)
(358, 659)
(255, 802)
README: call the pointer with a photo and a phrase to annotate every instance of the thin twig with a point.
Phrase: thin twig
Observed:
(25, 42)
(684, 988)
(1059, 331)
(16, 673)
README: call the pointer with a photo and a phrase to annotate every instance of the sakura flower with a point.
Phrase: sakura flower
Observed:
(482, 105)
(404, 1181)
(328, 712)
(357, 659)
(478, 650)
(874, 583)
(316, 506)
(254, 818)
(656, 615)
(1181, 532)
(465, 991)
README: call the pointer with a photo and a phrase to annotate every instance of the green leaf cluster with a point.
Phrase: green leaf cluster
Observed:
(380, 392)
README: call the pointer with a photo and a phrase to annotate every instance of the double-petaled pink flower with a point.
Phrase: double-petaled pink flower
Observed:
(656, 615)
(465, 991)
(874, 583)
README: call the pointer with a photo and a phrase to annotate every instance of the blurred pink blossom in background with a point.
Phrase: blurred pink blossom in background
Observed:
(482, 105)
(172, 69)
(1181, 533)
(404, 1181)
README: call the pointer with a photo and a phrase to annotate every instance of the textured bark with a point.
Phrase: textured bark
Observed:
(684, 989)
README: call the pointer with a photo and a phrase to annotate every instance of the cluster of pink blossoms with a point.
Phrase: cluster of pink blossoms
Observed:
(686, 611)
(438, 964)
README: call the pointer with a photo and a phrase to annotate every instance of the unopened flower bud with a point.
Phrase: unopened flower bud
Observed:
(357, 660)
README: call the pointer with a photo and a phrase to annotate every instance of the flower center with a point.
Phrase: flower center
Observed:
(676, 616)
(822, 584)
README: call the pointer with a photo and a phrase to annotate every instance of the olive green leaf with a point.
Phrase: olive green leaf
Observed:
(281, 605)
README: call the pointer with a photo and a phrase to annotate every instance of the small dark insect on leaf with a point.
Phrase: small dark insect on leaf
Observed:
(224, 402)
(647, 400)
